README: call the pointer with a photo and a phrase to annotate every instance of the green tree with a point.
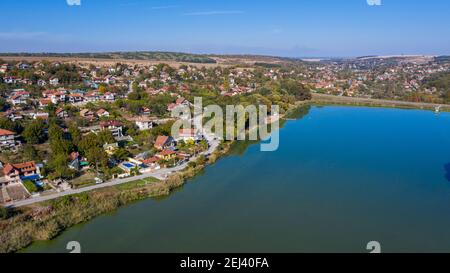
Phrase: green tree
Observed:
(105, 137)
(3, 105)
(75, 134)
(98, 157)
(34, 132)
(29, 153)
(10, 125)
(4, 213)
(121, 154)
(59, 167)
(88, 142)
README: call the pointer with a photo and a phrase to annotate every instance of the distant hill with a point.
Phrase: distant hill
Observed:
(443, 59)
(144, 55)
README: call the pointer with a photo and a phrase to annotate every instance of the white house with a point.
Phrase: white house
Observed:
(19, 97)
(144, 123)
(102, 113)
(188, 135)
(54, 81)
(7, 139)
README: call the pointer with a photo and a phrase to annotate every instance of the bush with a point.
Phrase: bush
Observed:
(4, 213)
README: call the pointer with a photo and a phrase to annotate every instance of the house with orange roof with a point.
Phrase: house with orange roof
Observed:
(166, 155)
(188, 135)
(164, 142)
(16, 173)
(8, 139)
(102, 113)
(61, 113)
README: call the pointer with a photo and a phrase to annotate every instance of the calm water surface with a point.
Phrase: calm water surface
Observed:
(343, 176)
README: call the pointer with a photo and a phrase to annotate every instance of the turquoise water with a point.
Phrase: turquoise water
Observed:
(343, 176)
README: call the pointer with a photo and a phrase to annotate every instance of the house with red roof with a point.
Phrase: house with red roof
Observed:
(166, 155)
(115, 127)
(102, 113)
(7, 139)
(44, 103)
(75, 98)
(188, 135)
(61, 113)
(16, 173)
(164, 142)
(19, 97)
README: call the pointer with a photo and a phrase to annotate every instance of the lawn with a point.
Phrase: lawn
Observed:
(86, 179)
(137, 183)
(31, 187)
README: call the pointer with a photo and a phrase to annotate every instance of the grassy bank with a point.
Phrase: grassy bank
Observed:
(321, 99)
(45, 221)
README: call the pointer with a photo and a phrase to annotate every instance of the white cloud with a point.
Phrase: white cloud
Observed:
(214, 12)
(374, 2)
(73, 2)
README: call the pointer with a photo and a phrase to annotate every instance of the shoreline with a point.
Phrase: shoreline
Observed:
(323, 99)
(46, 220)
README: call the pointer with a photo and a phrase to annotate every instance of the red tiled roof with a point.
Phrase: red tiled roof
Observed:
(8, 169)
(166, 152)
(4, 132)
(111, 123)
(21, 167)
(161, 140)
(151, 160)
(180, 100)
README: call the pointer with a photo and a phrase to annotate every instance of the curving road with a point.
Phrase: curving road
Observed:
(159, 174)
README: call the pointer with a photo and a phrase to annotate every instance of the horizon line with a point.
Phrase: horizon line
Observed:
(5, 54)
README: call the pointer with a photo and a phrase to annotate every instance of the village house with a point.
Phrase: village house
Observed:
(102, 113)
(7, 139)
(44, 103)
(145, 111)
(152, 162)
(187, 135)
(16, 173)
(110, 80)
(115, 127)
(92, 97)
(109, 97)
(19, 97)
(10, 80)
(111, 148)
(13, 115)
(166, 155)
(164, 143)
(54, 81)
(74, 161)
(40, 115)
(180, 102)
(144, 123)
(5, 68)
(41, 82)
(87, 114)
(75, 98)
(58, 97)
(61, 113)
(23, 66)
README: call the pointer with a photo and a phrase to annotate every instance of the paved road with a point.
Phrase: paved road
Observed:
(159, 174)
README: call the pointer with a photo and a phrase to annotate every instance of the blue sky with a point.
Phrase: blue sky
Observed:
(294, 28)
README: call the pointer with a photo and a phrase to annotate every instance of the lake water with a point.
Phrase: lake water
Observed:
(343, 176)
